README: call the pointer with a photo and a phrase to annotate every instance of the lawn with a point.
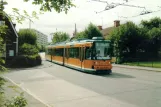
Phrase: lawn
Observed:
(145, 64)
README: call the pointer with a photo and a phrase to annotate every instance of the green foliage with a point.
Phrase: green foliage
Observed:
(27, 49)
(41, 48)
(131, 41)
(57, 5)
(27, 36)
(17, 101)
(90, 32)
(60, 37)
(3, 30)
(126, 41)
(22, 61)
(2, 82)
(154, 22)
(80, 35)
(154, 43)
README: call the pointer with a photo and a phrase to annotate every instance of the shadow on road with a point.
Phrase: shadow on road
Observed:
(116, 75)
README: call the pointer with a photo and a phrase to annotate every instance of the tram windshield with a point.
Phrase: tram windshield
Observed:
(100, 51)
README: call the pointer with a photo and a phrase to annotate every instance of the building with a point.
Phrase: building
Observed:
(10, 43)
(108, 30)
(42, 39)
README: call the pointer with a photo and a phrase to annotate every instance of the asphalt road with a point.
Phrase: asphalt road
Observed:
(137, 88)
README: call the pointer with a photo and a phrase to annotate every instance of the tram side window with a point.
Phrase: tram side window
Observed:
(58, 52)
(73, 52)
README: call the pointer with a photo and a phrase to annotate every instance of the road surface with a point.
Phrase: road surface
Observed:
(58, 86)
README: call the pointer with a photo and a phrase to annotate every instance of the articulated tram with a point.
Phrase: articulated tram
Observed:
(88, 55)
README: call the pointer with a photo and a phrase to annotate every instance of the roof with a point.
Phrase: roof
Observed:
(82, 41)
(107, 31)
(11, 23)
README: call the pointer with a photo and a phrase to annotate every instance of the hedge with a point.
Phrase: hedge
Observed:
(26, 61)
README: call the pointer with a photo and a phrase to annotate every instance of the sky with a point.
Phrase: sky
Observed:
(83, 14)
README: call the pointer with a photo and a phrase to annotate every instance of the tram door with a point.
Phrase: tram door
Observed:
(82, 57)
(64, 55)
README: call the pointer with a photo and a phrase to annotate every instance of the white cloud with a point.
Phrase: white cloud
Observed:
(83, 14)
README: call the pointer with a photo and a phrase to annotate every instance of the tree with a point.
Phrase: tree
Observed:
(80, 35)
(57, 5)
(126, 40)
(27, 36)
(154, 43)
(154, 22)
(60, 37)
(90, 32)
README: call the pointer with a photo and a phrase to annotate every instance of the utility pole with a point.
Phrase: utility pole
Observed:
(102, 21)
(30, 23)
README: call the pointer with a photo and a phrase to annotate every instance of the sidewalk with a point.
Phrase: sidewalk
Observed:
(12, 90)
(45, 64)
(137, 67)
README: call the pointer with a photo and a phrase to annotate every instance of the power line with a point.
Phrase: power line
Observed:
(113, 5)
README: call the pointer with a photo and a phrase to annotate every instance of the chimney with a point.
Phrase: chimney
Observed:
(116, 23)
(100, 27)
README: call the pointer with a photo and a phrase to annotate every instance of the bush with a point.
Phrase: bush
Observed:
(19, 61)
(26, 61)
(17, 101)
(27, 36)
(38, 60)
(27, 49)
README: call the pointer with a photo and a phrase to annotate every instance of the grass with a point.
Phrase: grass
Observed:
(145, 64)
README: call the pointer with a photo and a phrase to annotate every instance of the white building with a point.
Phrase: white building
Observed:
(42, 39)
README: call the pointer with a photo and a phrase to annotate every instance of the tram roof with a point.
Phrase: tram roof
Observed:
(79, 41)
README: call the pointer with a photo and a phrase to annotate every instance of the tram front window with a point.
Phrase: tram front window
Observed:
(88, 53)
(101, 50)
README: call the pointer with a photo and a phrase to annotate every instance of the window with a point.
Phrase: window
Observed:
(73, 52)
(101, 50)
(58, 52)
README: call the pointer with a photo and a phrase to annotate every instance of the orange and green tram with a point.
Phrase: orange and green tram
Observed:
(88, 55)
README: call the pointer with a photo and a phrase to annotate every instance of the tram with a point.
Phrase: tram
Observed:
(87, 55)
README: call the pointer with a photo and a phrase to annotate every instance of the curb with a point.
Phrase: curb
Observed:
(136, 67)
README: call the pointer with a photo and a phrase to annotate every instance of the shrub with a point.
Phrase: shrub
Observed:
(17, 101)
(27, 49)
(19, 61)
(26, 61)
(27, 36)
(38, 60)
